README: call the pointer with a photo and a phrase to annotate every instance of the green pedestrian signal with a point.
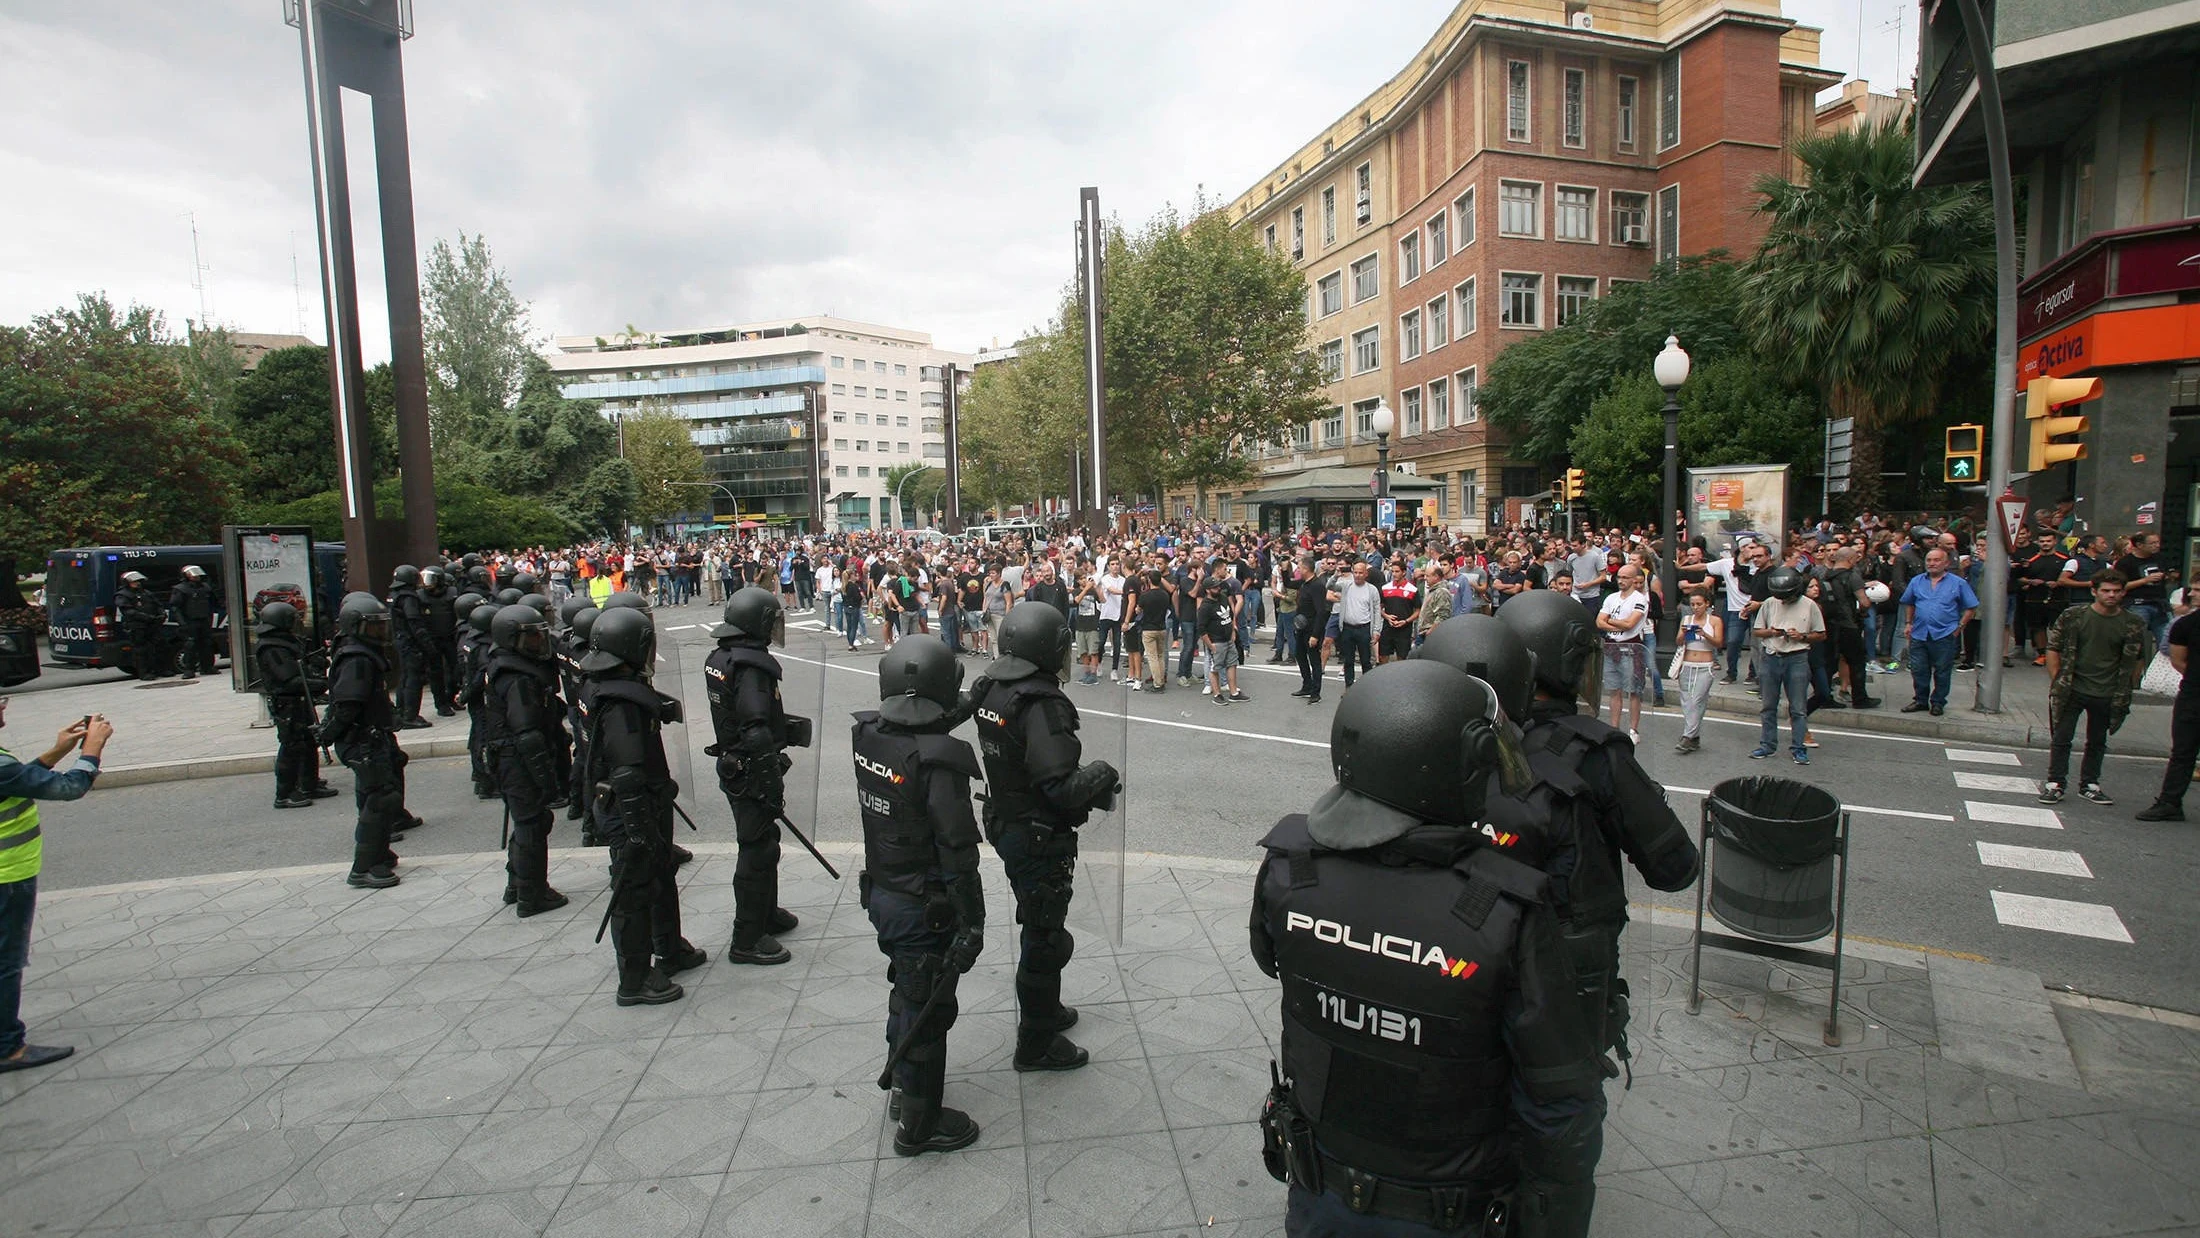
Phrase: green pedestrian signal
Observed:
(1965, 447)
(1960, 469)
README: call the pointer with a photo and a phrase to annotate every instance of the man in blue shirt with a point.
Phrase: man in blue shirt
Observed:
(20, 852)
(1936, 606)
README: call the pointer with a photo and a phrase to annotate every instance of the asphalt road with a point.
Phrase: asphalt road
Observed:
(1977, 869)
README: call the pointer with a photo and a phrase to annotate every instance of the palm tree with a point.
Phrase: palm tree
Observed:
(1868, 287)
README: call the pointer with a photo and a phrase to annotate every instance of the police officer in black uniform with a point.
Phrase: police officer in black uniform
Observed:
(362, 729)
(288, 688)
(634, 791)
(525, 720)
(441, 602)
(143, 621)
(409, 625)
(1040, 791)
(474, 647)
(572, 647)
(192, 600)
(752, 730)
(1438, 1076)
(920, 880)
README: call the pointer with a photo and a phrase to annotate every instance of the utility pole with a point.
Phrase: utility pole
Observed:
(1092, 243)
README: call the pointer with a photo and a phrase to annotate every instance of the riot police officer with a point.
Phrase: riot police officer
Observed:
(634, 792)
(473, 662)
(441, 603)
(1438, 1077)
(1591, 767)
(288, 687)
(920, 878)
(143, 621)
(572, 647)
(409, 624)
(752, 731)
(1041, 790)
(524, 723)
(361, 728)
(192, 600)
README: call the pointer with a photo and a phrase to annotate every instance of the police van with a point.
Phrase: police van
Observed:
(83, 628)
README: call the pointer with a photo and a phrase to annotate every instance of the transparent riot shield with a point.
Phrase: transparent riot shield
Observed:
(812, 733)
(670, 677)
(1103, 730)
(1653, 949)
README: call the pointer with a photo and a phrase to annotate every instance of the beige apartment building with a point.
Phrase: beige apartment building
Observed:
(1532, 155)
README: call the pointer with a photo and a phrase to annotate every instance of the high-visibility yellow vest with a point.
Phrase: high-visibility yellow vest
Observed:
(20, 848)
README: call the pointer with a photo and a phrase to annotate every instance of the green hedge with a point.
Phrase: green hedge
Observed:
(467, 517)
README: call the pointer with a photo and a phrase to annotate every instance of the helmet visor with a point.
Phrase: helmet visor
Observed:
(779, 629)
(1505, 756)
(1589, 684)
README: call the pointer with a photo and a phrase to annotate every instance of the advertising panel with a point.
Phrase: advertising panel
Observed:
(1733, 499)
(262, 564)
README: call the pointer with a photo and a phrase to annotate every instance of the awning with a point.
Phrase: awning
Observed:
(1340, 484)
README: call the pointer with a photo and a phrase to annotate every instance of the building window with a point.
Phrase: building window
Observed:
(1363, 418)
(863, 444)
(1331, 287)
(1439, 237)
(1439, 403)
(1409, 404)
(1464, 320)
(1469, 410)
(901, 448)
(840, 417)
(1298, 233)
(1575, 292)
(1302, 435)
(863, 391)
(1329, 215)
(1332, 360)
(1268, 238)
(1439, 323)
(1464, 207)
(901, 421)
(839, 362)
(1627, 89)
(1409, 257)
(1573, 119)
(840, 444)
(900, 369)
(840, 388)
(1576, 211)
(1669, 223)
(1364, 194)
(1669, 102)
(1367, 350)
(1630, 218)
(863, 470)
(860, 367)
(1333, 427)
(840, 470)
(1519, 209)
(1470, 491)
(901, 395)
(1409, 335)
(1516, 101)
(1522, 300)
(1365, 279)
(929, 399)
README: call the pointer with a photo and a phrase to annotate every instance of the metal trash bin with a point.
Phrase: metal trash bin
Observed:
(1776, 871)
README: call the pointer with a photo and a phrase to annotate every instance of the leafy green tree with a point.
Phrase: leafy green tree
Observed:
(1871, 289)
(666, 463)
(104, 443)
(1540, 388)
(280, 412)
(474, 332)
(1021, 419)
(1733, 411)
(211, 367)
(561, 449)
(468, 517)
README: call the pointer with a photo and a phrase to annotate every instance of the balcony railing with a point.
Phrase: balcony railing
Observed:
(740, 380)
(737, 462)
(746, 432)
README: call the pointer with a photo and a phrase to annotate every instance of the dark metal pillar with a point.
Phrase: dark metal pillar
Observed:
(1092, 242)
(949, 411)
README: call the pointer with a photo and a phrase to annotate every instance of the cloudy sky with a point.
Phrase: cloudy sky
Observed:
(910, 162)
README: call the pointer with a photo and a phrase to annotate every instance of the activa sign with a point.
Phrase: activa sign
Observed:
(2065, 352)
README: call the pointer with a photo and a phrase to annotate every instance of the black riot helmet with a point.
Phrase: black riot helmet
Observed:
(1786, 584)
(753, 613)
(571, 607)
(364, 616)
(919, 681)
(431, 578)
(521, 630)
(1415, 743)
(537, 603)
(1034, 639)
(582, 622)
(1482, 646)
(482, 617)
(525, 582)
(509, 597)
(623, 638)
(481, 579)
(465, 605)
(277, 617)
(133, 578)
(1569, 659)
(624, 599)
(469, 560)
(404, 576)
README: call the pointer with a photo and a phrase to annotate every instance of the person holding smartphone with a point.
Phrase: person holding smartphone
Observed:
(1702, 636)
(22, 784)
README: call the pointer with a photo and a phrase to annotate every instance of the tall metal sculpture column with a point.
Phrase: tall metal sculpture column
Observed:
(355, 45)
(951, 411)
(1091, 244)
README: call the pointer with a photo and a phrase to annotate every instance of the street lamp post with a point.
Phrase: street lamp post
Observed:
(895, 515)
(1382, 421)
(1671, 368)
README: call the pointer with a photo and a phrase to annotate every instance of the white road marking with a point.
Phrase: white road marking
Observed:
(1876, 812)
(1978, 757)
(2059, 915)
(689, 627)
(2012, 814)
(2010, 783)
(2033, 860)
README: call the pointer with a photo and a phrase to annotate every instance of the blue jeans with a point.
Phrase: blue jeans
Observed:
(1777, 672)
(1932, 662)
(1287, 637)
(856, 627)
(2157, 621)
(1737, 638)
(17, 900)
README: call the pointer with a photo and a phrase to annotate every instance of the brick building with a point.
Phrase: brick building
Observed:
(1530, 157)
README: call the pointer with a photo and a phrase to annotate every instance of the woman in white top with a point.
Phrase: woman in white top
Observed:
(1111, 617)
(1702, 636)
(828, 593)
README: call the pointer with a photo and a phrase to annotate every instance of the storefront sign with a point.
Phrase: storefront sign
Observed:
(2166, 263)
(2062, 296)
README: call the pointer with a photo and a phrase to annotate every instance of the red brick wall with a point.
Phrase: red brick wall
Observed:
(1730, 135)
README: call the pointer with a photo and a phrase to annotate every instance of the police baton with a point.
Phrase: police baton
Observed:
(807, 845)
(942, 988)
(504, 837)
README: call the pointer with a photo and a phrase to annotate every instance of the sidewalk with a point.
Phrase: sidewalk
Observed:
(275, 1053)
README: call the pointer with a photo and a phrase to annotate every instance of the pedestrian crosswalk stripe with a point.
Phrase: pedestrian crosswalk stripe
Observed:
(1970, 781)
(2059, 915)
(2012, 814)
(2033, 860)
(1977, 757)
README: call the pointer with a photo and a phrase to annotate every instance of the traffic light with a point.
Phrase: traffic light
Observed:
(2042, 397)
(1966, 447)
(1558, 488)
(1576, 483)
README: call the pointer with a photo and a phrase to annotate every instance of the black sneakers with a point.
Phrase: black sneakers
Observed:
(377, 878)
(2092, 791)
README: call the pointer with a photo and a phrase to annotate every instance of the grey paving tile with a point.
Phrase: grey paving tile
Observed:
(1121, 1184)
(549, 974)
(138, 1049)
(1172, 932)
(503, 1214)
(223, 1174)
(311, 951)
(809, 1201)
(515, 1148)
(1100, 1098)
(723, 1065)
(810, 1126)
(752, 999)
(1211, 1089)
(838, 1054)
(53, 1191)
(128, 1001)
(319, 1094)
(182, 1227)
(374, 1162)
(1666, 1039)
(993, 1099)
(50, 1116)
(982, 1192)
(1175, 974)
(987, 1041)
(857, 998)
(660, 1207)
(600, 1018)
(601, 1071)
(2135, 1060)
(178, 1106)
(1893, 1176)
(1960, 1096)
(2058, 1169)
(1228, 1180)
(1171, 1025)
(277, 1039)
(1895, 1077)
(650, 1139)
(1778, 1195)
(458, 980)
(847, 956)
(471, 1081)
(240, 993)
(400, 1033)
(510, 1023)
(1645, 1203)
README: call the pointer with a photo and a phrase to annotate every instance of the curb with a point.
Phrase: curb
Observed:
(254, 763)
(1978, 729)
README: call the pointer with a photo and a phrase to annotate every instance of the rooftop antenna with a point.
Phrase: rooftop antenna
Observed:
(1896, 26)
(198, 271)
